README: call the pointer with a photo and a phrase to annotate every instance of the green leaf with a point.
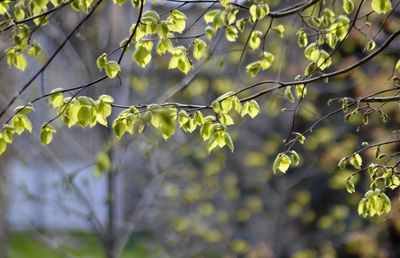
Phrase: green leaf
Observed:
(253, 68)
(46, 134)
(34, 50)
(341, 27)
(20, 61)
(356, 161)
(209, 32)
(183, 118)
(255, 40)
(350, 186)
(184, 64)
(258, 12)
(119, 2)
(176, 21)
(397, 65)
(288, 94)
(266, 60)
(200, 49)
(299, 137)
(112, 69)
(228, 141)
(101, 61)
(301, 90)
(164, 46)
(250, 108)
(371, 45)
(8, 133)
(342, 163)
(381, 6)
(106, 99)
(226, 119)
(119, 127)
(207, 129)
(240, 24)
(302, 38)
(3, 144)
(231, 33)
(198, 118)
(24, 110)
(103, 163)
(294, 156)
(209, 16)
(57, 98)
(142, 56)
(312, 53)
(348, 6)
(280, 29)
(282, 163)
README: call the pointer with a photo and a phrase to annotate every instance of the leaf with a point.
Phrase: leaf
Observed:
(288, 94)
(371, 45)
(302, 38)
(341, 27)
(103, 163)
(101, 61)
(112, 69)
(226, 119)
(397, 65)
(142, 56)
(356, 161)
(258, 12)
(350, 186)
(34, 50)
(200, 49)
(266, 60)
(228, 141)
(46, 134)
(280, 29)
(119, 127)
(342, 163)
(294, 156)
(57, 98)
(183, 118)
(198, 118)
(381, 6)
(209, 16)
(301, 90)
(20, 61)
(282, 163)
(250, 108)
(106, 99)
(348, 6)
(163, 46)
(299, 137)
(253, 68)
(119, 2)
(3, 144)
(255, 40)
(231, 33)
(24, 110)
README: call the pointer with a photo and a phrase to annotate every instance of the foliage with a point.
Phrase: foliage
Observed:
(322, 36)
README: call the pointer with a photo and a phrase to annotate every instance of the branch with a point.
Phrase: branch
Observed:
(26, 20)
(26, 86)
(320, 77)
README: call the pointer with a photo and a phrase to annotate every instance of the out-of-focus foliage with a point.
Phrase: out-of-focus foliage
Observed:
(295, 92)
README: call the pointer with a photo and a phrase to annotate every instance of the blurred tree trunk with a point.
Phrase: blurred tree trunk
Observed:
(3, 210)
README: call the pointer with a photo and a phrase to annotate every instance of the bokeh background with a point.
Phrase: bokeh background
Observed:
(173, 199)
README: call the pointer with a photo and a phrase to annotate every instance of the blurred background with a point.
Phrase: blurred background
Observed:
(173, 199)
